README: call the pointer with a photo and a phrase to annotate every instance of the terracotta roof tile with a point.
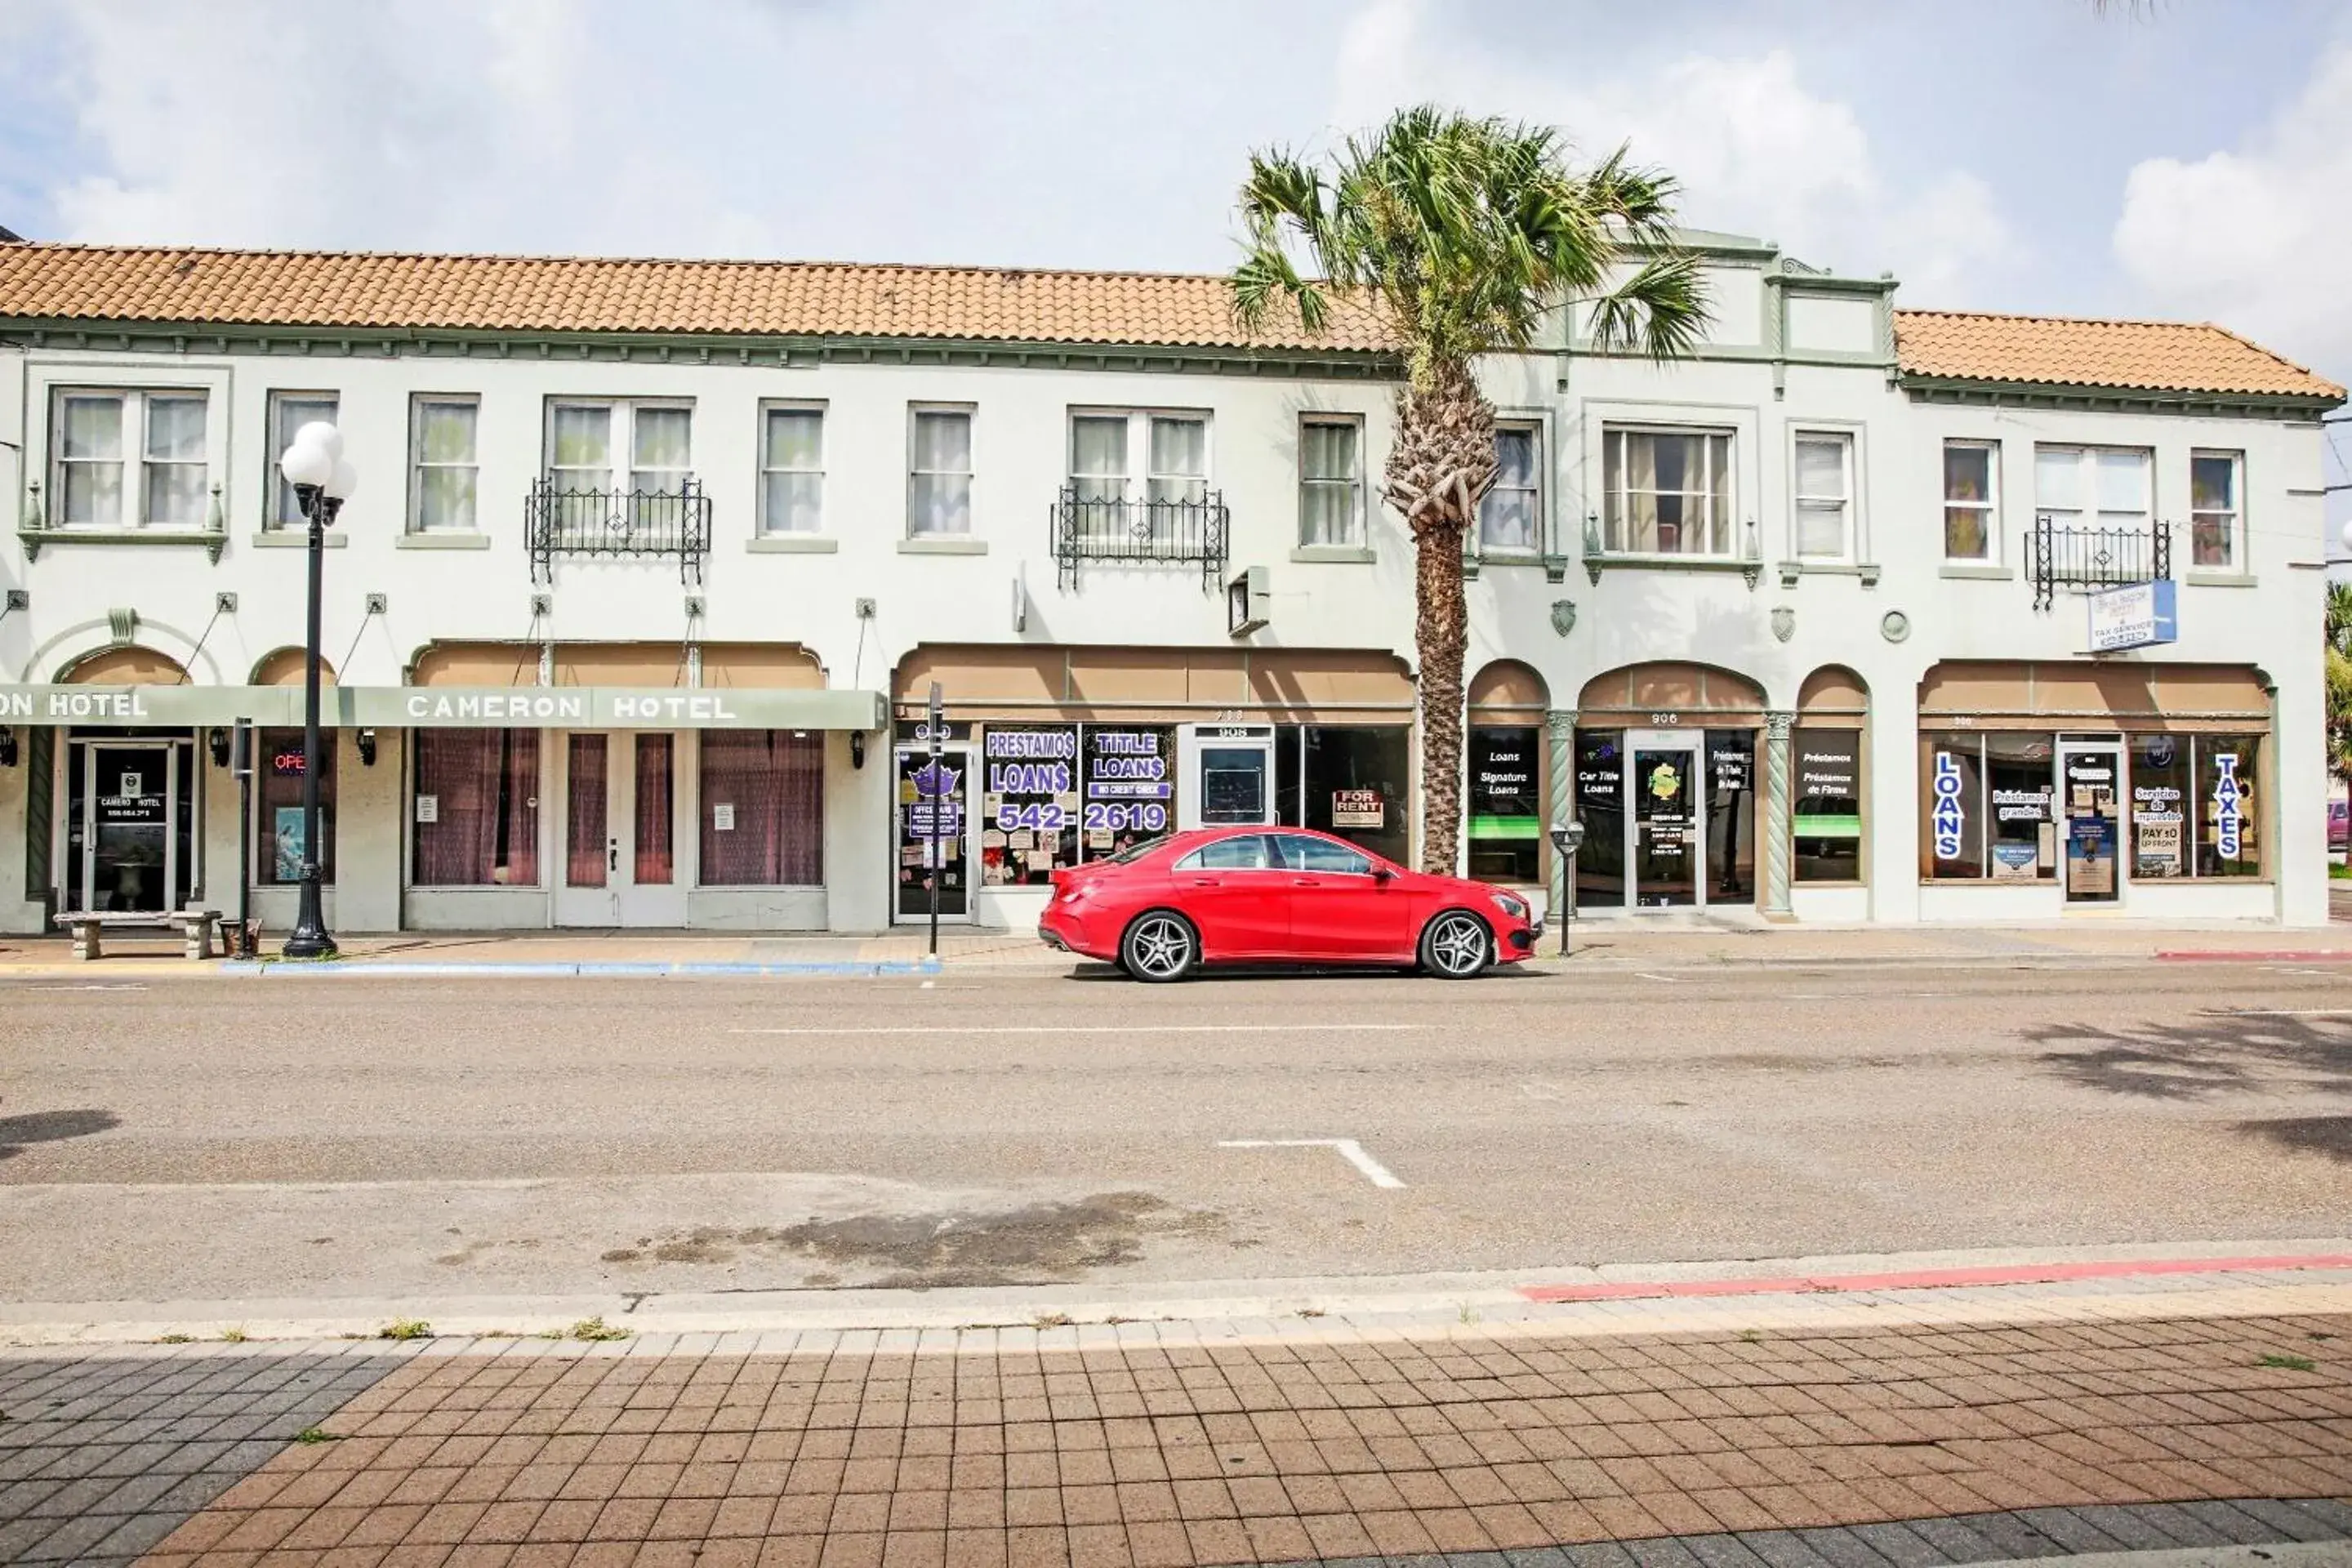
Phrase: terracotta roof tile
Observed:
(516, 293)
(551, 294)
(2153, 357)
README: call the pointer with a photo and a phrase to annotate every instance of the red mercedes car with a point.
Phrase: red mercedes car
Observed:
(1272, 895)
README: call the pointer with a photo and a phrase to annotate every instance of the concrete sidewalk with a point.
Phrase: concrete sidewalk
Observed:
(1887, 1428)
(1600, 944)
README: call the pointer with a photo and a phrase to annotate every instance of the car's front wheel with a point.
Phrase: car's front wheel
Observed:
(1160, 945)
(1456, 945)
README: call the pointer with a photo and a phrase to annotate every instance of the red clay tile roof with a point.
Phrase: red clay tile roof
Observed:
(815, 299)
(2153, 357)
(494, 294)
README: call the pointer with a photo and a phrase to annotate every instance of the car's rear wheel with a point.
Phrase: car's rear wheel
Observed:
(1456, 945)
(1159, 945)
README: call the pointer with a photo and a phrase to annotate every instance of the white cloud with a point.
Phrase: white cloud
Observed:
(1756, 151)
(2258, 238)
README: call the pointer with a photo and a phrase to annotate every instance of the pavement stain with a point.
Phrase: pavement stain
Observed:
(1037, 1244)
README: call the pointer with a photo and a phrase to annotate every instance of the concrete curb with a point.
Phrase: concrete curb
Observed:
(623, 969)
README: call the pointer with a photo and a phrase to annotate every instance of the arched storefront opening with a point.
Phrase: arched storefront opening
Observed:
(1052, 756)
(1666, 787)
(128, 840)
(1829, 787)
(284, 668)
(2102, 782)
(1507, 775)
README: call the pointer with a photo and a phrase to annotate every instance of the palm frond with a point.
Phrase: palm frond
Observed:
(1661, 311)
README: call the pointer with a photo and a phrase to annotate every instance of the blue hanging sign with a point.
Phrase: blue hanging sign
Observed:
(2229, 818)
(1948, 820)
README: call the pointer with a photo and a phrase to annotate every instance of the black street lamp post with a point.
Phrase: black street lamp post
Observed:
(314, 466)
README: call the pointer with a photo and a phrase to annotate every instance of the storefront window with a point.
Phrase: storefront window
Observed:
(2018, 771)
(1951, 819)
(762, 808)
(1029, 803)
(1506, 824)
(1130, 786)
(1731, 815)
(475, 808)
(2159, 790)
(1826, 804)
(1355, 785)
(279, 846)
(2228, 813)
(1600, 806)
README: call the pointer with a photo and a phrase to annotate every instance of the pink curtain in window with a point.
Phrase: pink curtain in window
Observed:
(654, 773)
(484, 784)
(584, 822)
(771, 783)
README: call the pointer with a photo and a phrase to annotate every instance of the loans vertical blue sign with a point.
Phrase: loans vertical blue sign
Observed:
(1947, 820)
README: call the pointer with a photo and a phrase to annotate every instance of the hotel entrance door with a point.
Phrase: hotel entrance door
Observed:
(621, 802)
(129, 825)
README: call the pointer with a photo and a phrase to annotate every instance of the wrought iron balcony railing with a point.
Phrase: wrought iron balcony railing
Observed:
(1124, 531)
(2060, 554)
(558, 522)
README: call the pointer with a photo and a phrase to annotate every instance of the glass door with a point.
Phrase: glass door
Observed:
(2091, 779)
(133, 855)
(1667, 840)
(620, 832)
(933, 825)
(1232, 771)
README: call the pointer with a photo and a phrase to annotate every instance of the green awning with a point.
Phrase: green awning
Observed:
(449, 706)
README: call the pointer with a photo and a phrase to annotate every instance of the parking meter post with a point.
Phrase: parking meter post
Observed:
(935, 710)
(1566, 839)
(240, 762)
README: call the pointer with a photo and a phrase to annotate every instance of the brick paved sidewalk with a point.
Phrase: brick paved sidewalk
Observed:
(1965, 1431)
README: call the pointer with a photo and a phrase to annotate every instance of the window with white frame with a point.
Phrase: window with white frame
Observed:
(1511, 514)
(2092, 486)
(1823, 468)
(1668, 492)
(1330, 480)
(2213, 508)
(792, 469)
(289, 412)
(444, 464)
(128, 459)
(938, 473)
(586, 440)
(1971, 500)
(1171, 449)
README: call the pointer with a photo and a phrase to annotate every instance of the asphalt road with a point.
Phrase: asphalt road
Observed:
(235, 1138)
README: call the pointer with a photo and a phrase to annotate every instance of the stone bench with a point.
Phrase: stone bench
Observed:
(88, 926)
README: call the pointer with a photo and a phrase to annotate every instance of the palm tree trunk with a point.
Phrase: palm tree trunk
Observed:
(1441, 463)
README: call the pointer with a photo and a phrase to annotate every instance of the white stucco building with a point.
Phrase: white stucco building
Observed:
(653, 564)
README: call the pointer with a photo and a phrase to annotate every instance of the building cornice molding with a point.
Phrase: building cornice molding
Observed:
(1967, 392)
(787, 351)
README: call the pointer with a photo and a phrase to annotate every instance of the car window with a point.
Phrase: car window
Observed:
(1301, 853)
(1244, 852)
(1135, 852)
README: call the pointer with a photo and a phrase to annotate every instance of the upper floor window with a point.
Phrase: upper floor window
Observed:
(791, 470)
(1971, 472)
(1668, 492)
(1170, 451)
(2213, 508)
(1824, 495)
(1330, 480)
(443, 466)
(2092, 487)
(939, 472)
(289, 412)
(584, 439)
(128, 459)
(1511, 514)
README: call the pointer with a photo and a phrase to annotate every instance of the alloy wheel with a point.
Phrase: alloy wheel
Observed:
(1161, 947)
(1457, 946)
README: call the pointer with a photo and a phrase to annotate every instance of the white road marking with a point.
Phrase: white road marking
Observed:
(1350, 1151)
(1645, 975)
(1086, 1029)
(109, 985)
(2287, 1013)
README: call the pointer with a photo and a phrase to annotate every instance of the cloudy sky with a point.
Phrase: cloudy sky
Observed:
(2172, 158)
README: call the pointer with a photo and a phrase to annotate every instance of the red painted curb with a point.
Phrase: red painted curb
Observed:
(2192, 955)
(1929, 1278)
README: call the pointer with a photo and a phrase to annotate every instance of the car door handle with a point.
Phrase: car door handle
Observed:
(1306, 881)
(1208, 881)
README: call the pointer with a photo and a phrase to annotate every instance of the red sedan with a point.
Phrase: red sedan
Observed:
(1219, 895)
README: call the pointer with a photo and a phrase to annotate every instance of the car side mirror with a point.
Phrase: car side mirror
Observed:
(1383, 873)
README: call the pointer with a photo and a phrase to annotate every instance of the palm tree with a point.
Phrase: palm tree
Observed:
(2339, 679)
(1462, 235)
